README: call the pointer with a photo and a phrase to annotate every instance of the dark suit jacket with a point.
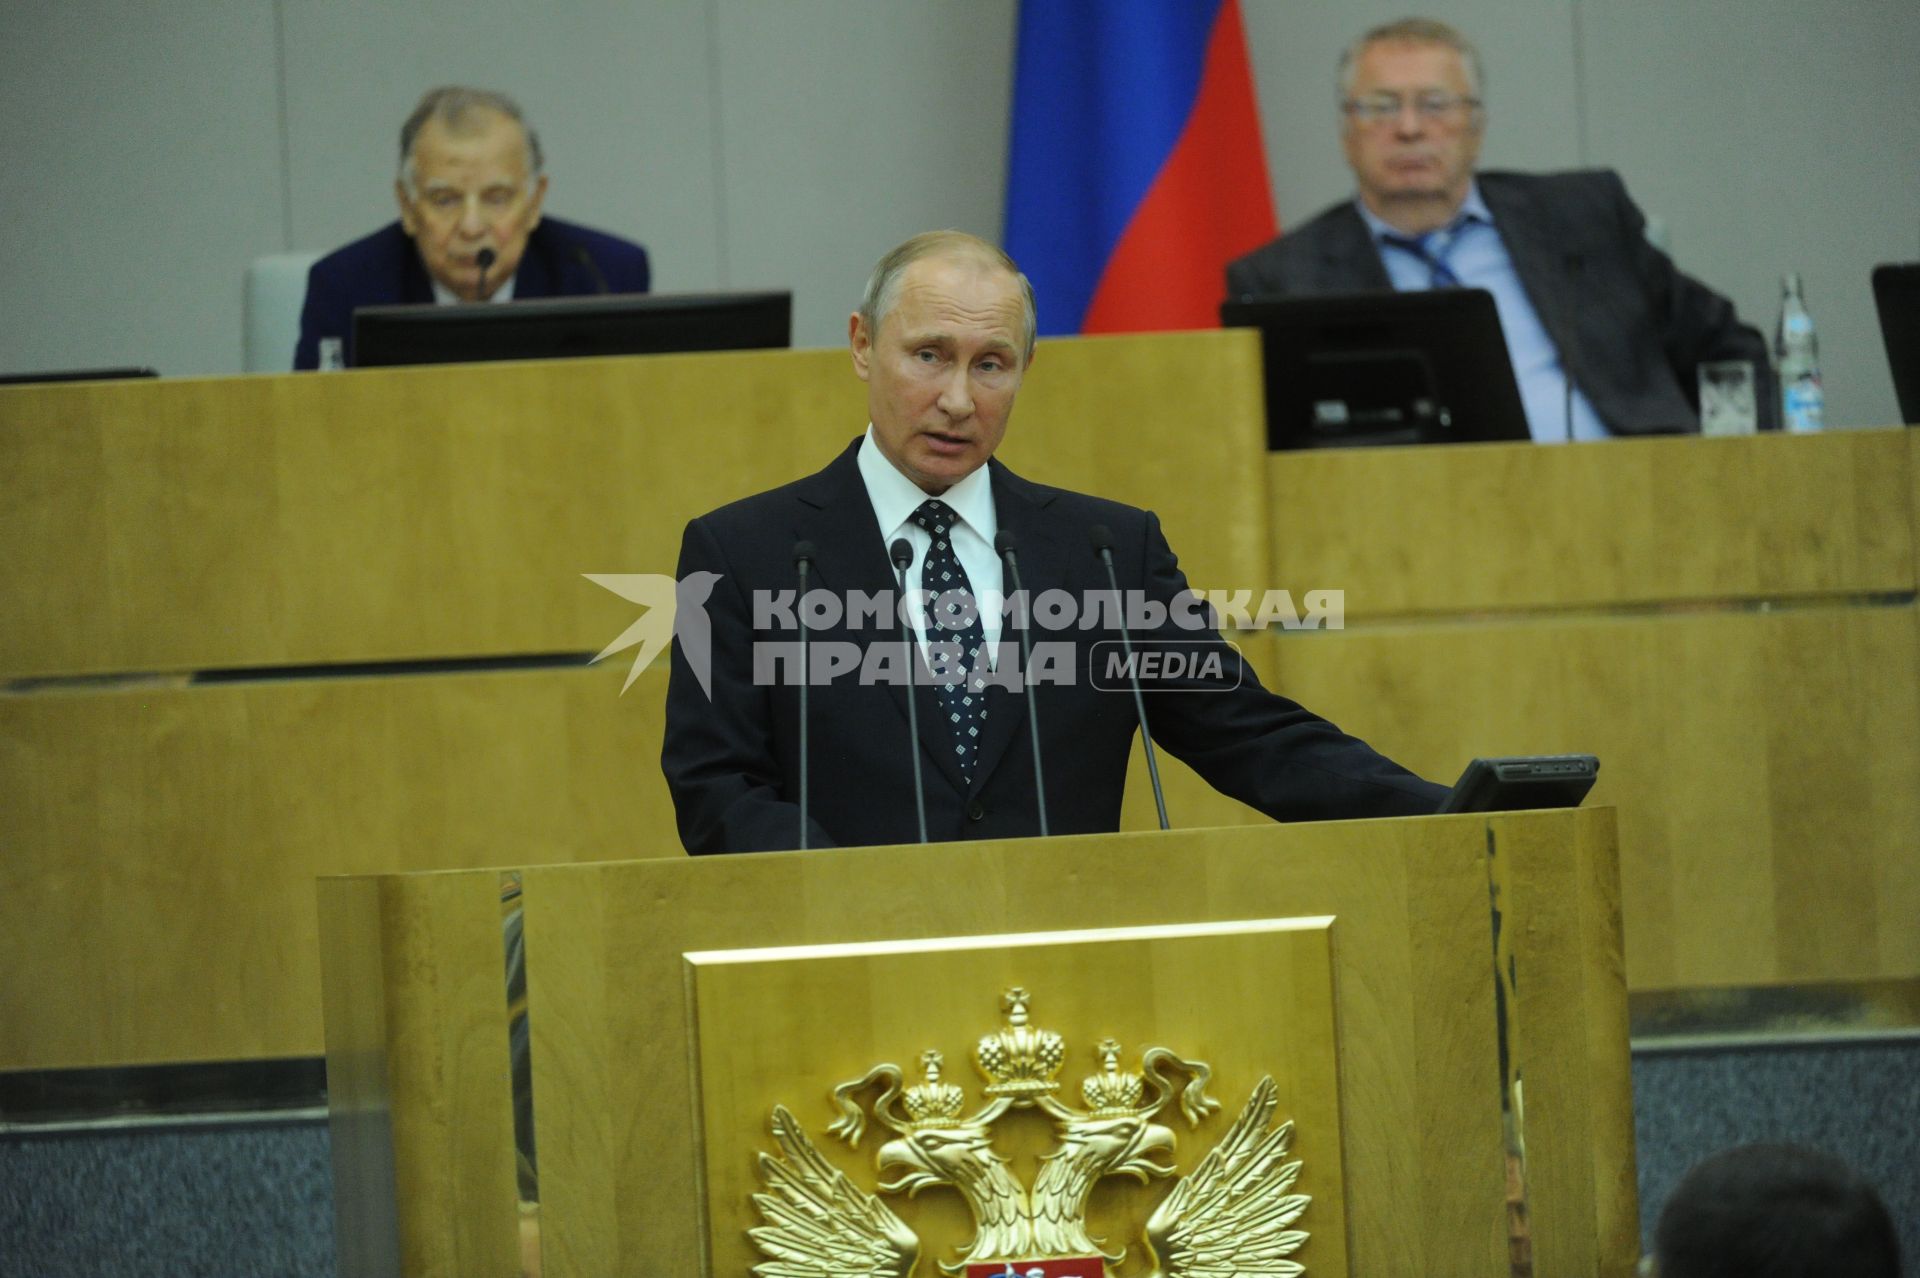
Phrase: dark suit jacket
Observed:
(732, 763)
(384, 269)
(1631, 329)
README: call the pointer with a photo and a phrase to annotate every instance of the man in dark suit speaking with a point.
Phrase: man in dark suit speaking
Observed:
(1605, 334)
(470, 189)
(943, 338)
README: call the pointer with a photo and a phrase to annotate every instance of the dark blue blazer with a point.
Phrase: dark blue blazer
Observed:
(384, 269)
(732, 761)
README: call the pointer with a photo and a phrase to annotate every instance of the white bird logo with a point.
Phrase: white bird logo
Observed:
(674, 609)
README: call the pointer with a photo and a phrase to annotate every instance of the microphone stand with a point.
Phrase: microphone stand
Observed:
(1003, 542)
(1103, 547)
(902, 553)
(803, 553)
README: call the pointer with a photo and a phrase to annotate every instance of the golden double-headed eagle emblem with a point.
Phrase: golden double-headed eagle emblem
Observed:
(1232, 1215)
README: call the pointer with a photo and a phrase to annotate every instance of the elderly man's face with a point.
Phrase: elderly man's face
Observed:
(944, 368)
(471, 192)
(1425, 151)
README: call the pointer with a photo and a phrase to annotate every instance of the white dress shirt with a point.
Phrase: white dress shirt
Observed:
(444, 296)
(895, 498)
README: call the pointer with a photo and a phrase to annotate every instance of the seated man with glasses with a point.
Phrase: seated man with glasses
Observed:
(1604, 332)
(470, 188)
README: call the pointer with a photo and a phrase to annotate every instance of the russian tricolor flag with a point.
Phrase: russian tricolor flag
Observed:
(1137, 171)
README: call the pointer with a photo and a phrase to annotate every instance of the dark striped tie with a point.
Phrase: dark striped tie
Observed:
(1422, 247)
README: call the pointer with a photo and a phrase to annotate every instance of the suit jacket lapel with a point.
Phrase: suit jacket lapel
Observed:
(836, 515)
(1543, 265)
(538, 274)
(1349, 257)
(415, 285)
(1019, 507)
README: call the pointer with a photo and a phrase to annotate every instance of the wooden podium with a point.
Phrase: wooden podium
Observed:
(673, 1003)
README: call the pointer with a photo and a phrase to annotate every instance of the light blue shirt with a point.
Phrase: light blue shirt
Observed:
(1472, 249)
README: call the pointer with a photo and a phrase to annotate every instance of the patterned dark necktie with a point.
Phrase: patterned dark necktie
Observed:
(1424, 248)
(953, 617)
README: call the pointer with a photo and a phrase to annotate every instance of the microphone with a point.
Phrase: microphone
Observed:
(803, 553)
(1003, 545)
(485, 260)
(902, 553)
(585, 259)
(1103, 547)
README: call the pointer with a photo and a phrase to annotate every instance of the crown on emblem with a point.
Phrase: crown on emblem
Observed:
(1020, 1060)
(933, 1102)
(1111, 1093)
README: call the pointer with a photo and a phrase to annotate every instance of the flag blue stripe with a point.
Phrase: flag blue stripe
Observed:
(1102, 90)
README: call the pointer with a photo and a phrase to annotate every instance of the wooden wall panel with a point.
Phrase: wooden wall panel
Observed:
(1763, 765)
(1913, 480)
(1567, 1017)
(1447, 530)
(163, 840)
(423, 1117)
(450, 512)
(162, 843)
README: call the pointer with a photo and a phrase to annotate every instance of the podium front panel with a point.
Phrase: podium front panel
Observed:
(1147, 1045)
(1418, 1067)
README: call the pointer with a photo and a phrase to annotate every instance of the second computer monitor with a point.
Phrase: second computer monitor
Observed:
(1352, 369)
(566, 327)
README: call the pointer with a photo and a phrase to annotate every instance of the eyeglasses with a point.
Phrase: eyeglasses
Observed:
(1432, 105)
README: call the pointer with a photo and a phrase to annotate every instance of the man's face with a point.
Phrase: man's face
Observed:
(943, 369)
(1411, 154)
(470, 192)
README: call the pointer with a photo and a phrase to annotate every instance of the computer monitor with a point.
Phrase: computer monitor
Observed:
(76, 375)
(1896, 292)
(1351, 369)
(568, 327)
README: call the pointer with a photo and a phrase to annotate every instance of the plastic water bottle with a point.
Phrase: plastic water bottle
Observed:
(1796, 350)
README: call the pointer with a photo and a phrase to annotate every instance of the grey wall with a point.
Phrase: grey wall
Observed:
(152, 151)
(1772, 136)
(139, 171)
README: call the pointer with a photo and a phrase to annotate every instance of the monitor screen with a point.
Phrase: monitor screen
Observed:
(568, 327)
(76, 375)
(1896, 293)
(1350, 369)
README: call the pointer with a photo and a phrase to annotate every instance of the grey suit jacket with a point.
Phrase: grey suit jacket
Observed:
(1631, 329)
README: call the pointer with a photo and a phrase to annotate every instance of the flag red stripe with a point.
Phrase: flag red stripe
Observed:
(1210, 204)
